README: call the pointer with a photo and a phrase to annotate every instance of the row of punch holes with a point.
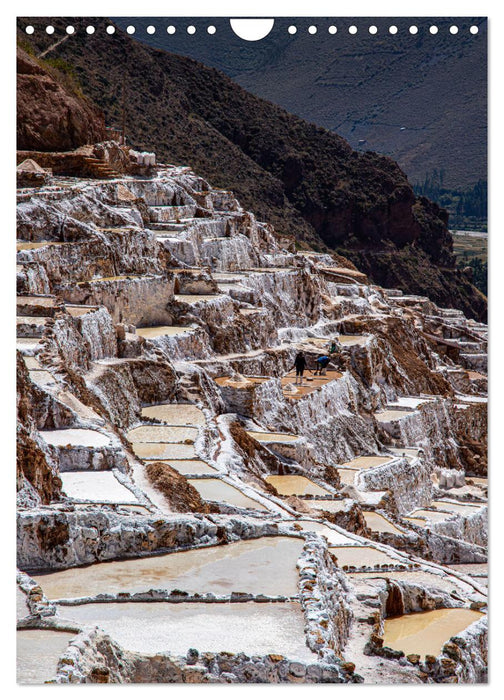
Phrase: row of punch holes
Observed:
(211, 29)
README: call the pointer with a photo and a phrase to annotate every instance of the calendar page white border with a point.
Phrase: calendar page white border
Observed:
(259, 8)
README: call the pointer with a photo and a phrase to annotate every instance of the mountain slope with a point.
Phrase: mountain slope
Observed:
(420, 99)
(50, 115)
(304, 179)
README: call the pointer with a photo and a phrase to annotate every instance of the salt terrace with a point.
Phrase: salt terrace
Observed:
(217, 519)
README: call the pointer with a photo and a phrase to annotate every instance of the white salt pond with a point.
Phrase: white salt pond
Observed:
(28, 344)
(391, 415)
(368, 461)
(31, 362)
(158, 331)
(162, 433)
(416, 521)
(41, 377)
(218, 490)
(426, 632)
(191, 466)
(272, 437)
(38, 652)
(481, 481)
(83, 411)
(430, 515)
(34, 300)
(409, 401)
(162, 450)
(253, 628)
(76, 310)
(175, 414)
(293, 485)
(328, 505)
(470, 398)
(265, 565)
(27, 245)
(378, 523)
(353, 339)
(80, 437)
(31, 320)
(333, 536)
(464, 508)
(361, 556)
(347, 476)
(196, 298)
(100, 486)
(471, 569)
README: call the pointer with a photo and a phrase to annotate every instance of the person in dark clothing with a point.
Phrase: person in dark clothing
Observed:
(322, 363)
(300, 366)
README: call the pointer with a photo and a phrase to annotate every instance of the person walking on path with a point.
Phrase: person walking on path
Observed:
(300, 366)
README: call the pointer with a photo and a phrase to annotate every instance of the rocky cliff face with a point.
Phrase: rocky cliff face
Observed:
(50, 117)
(305, 180)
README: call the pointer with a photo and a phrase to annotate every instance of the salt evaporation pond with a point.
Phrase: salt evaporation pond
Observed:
(253, 628)
(158, 331)
(41, 377)
(378, 523)
(431, 515)
(265, 565)
(163, 450)
(482, 481)
(390, 415)
(366, 462)
(97, 486)
(347, 476)
(361, 556)
(191, 466)
(416, 521)
(310, 383)
(333, 506)
(333, 536)
(218, 490)
(31, 363)
(426, 632)
(28, 245)
(196, 298)
(79, 437)
(293, 485)
(162, 433)
(353, 339)
(464, 508)
(272, 437)
(77, 310)
(175, 414)
(38, 652)
(409, 401)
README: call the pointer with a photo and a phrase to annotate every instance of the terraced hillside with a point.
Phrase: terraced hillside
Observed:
(304, 179)
(164, 443)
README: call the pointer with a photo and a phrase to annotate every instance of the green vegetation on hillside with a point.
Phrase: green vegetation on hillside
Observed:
(467, 208)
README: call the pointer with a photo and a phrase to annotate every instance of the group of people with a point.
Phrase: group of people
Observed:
(321, 362)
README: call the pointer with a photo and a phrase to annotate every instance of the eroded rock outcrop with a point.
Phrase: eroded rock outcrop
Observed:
(51, 116)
